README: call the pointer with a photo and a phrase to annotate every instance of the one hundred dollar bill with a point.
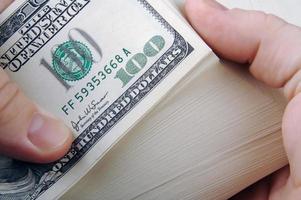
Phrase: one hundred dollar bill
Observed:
(100, 66)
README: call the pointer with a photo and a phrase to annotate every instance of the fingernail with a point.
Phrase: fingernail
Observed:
(47, 133)
(215, 4)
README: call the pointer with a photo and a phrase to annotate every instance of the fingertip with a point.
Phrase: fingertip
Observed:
(231, 33)
(47, 133)
(50, 138)
(45, 140)
(214, 23)
(54, 154)
(202, 12)
(202, 5)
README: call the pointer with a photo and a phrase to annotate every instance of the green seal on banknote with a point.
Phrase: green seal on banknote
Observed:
(72, 60)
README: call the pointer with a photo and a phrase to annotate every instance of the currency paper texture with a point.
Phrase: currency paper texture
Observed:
(99, 65)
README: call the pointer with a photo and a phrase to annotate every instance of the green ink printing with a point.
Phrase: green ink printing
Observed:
(72, 60)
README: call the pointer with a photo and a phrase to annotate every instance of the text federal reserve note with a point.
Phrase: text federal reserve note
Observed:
(99, 65)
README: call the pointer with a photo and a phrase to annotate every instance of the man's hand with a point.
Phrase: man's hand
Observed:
(272, 47)
(26, 132)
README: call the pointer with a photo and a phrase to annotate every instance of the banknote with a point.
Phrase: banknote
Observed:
(100, 66)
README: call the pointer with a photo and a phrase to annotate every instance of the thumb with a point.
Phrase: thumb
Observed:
(271, 46)
(25, 132)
